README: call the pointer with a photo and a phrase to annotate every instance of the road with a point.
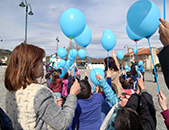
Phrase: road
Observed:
(150, 86)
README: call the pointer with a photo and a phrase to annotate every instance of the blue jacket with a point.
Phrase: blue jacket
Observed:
(111, 96)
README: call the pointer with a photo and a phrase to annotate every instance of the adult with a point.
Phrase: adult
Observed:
(29, 104)
(163, 54)
(115, 70)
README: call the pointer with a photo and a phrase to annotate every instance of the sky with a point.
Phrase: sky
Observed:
(44, 26)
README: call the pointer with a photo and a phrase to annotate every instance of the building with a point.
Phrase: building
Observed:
(144, 55)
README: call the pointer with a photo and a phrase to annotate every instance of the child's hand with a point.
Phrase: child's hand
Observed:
(75, 89)
(162, 101)
(113, 52)
(59, 102)
(108, 73)
(98, 77)
(141, 84)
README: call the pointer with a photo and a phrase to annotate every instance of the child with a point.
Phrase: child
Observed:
(55, 84)
(88, 109)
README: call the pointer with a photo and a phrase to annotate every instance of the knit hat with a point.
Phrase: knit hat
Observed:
(128, 91)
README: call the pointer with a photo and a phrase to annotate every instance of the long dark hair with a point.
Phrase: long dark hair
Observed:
(133, 69)
(112, 64)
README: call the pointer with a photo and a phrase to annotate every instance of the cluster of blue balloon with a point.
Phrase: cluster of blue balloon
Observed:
(127, 68)
(144, 21)
(72, 55)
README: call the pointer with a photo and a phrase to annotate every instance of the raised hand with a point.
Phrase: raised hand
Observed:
(164, 32)
(108, 73)
(141, 84)
(162, 101)
(75, 89)
(98, 77)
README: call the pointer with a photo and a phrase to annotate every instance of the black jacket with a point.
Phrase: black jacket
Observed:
(164, 61)
(144, 106)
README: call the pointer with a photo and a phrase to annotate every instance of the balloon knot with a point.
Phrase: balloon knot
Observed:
(71, 37)
(136, 40)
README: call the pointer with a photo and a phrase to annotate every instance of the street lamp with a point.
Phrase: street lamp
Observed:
(126, 46)
(57, 39)
(30, 13)
(1, 39)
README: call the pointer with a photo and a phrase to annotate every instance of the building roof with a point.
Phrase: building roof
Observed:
(141, 51)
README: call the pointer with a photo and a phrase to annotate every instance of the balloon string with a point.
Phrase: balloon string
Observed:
(90, 61)
(153, 65)
(137, 60)
(73, 59)
(107, 59)
(164, 9)
(121, 66)
(83, 66)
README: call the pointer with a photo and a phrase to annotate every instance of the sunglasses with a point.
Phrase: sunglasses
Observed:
(124, 95)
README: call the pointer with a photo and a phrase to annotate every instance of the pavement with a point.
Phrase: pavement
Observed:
(149, 84)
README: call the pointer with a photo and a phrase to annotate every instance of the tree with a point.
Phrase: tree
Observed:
(75, 46)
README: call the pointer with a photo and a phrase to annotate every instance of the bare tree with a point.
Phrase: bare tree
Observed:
(75, 46)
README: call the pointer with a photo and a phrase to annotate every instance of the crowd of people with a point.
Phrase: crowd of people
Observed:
(119, 102)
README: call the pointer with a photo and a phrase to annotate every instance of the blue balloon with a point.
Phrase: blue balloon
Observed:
(82, 53)
(135, 50)
(143, 18)
(126, 66)
(73, 53)
(132, 35)
(108, 41)
(127, 70)
(84, 38)
(136, 67)
(63, 74)
(62, 52)
(55, 64)
(53, 57)
(140, 63)
(72, 22)
(62, 63)
(120, 55)
(107, 31)
(93, 75)
(70, 68)
(70, 58)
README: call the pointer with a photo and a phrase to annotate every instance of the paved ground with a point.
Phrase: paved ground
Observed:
(150, 85)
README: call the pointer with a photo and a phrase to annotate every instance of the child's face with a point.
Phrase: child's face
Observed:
(124, 99)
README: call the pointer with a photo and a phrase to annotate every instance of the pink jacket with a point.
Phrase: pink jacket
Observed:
(64, 89)
(56, 87)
